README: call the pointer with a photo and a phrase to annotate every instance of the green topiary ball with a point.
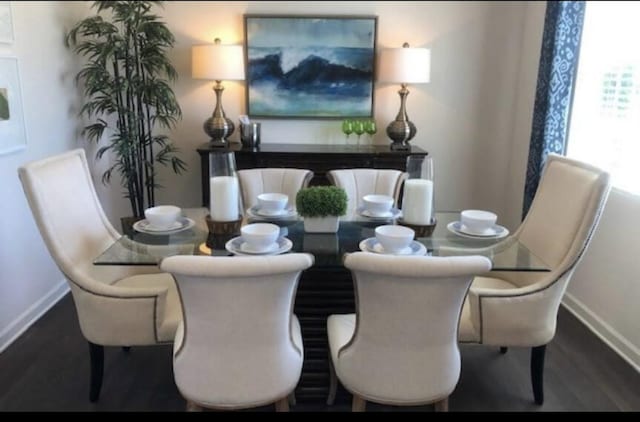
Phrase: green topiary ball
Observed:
(321, 201)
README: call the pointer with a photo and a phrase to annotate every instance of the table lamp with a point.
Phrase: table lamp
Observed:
(217, 62)
(405, 66)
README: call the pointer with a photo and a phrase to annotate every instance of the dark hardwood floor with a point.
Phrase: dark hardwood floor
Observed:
(46, 369)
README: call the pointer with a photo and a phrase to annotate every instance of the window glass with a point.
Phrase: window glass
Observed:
(605, 116)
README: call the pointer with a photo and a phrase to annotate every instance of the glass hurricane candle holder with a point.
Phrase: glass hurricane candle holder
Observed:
(417, 200)
(224, 191)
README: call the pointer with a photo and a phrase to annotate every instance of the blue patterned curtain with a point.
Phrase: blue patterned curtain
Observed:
(556, 75)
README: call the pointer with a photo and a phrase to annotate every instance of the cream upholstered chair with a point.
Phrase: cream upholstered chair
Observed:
(239, 345)
(116, 305)
(360, 182)
(519, 309)
(401, 346)
(289, 181)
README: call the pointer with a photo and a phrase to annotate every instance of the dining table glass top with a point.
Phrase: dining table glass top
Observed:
(506, 254)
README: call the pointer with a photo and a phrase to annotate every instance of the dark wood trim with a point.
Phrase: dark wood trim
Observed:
(96, 355)
(537, 372)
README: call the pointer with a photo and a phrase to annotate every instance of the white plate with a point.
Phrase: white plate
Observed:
(496, 232)
(144, 226)
(235, 247)
(255, 212)
(393, 214)
(372, 245)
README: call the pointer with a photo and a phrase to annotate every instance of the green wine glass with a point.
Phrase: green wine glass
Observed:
(371, 128)
(347, 128)
(358, 128)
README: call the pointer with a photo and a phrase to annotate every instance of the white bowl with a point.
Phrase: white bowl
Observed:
(478, 221)
(260, 236)
(394, 238)
(272, 203)
(377, 204)
(163, 216)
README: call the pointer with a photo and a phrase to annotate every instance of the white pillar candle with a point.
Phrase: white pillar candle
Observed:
(417, 202)
(224, 198)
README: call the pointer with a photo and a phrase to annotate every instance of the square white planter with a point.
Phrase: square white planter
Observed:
(328, 224)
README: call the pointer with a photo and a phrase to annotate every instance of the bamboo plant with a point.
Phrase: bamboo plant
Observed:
(128, 97)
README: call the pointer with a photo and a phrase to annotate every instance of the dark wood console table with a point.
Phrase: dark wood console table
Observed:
(319, 158)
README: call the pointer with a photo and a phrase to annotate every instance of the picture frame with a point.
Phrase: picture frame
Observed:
(13, 136)
(6, 23)
(310, 67)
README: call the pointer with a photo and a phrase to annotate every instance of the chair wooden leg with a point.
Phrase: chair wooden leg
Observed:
(193, 407)
(282, 405)
(96, 355)
(442, 405)
(359, 404)
(503, 350)
(537, 371)
(333, 383)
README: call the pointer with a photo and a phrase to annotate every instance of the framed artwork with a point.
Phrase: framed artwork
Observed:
(310, 66)
(13, 135)
(6, 23)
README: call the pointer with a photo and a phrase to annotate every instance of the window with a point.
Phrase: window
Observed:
(605, 116)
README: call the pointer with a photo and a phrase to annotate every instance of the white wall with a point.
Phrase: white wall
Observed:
(524, 102)
(29, 280)
(605, 288)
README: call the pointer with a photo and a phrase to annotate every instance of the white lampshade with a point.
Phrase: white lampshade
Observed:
(405, 65)
(217, 62)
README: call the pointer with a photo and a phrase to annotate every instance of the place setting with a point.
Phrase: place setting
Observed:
(272, 206)
(163, 220)
(378, 208)
(393, 240)
(478, 224)
(259, 239)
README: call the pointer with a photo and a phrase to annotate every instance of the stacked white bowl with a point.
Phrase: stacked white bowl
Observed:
(477, 221)
(162, 217)
(377, 205)
(272, 203)
(393, 238)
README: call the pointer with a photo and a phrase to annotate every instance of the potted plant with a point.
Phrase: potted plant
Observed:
(128, 98)
(321, 207)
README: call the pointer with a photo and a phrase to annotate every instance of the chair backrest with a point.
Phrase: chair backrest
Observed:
(565, 212)
(67, 211)
(289, 181)
(360, 182)
(405, 348)
(236, 347)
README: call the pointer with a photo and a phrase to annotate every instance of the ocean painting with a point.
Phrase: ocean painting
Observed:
(310, 67)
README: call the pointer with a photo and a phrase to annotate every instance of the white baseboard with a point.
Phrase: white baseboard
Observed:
(32, 314)
(627, 350)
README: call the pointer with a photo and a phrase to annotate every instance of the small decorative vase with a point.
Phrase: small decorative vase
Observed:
(328, 224)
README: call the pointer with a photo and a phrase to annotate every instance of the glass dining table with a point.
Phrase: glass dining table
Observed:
(326, 288)
(506, 254)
